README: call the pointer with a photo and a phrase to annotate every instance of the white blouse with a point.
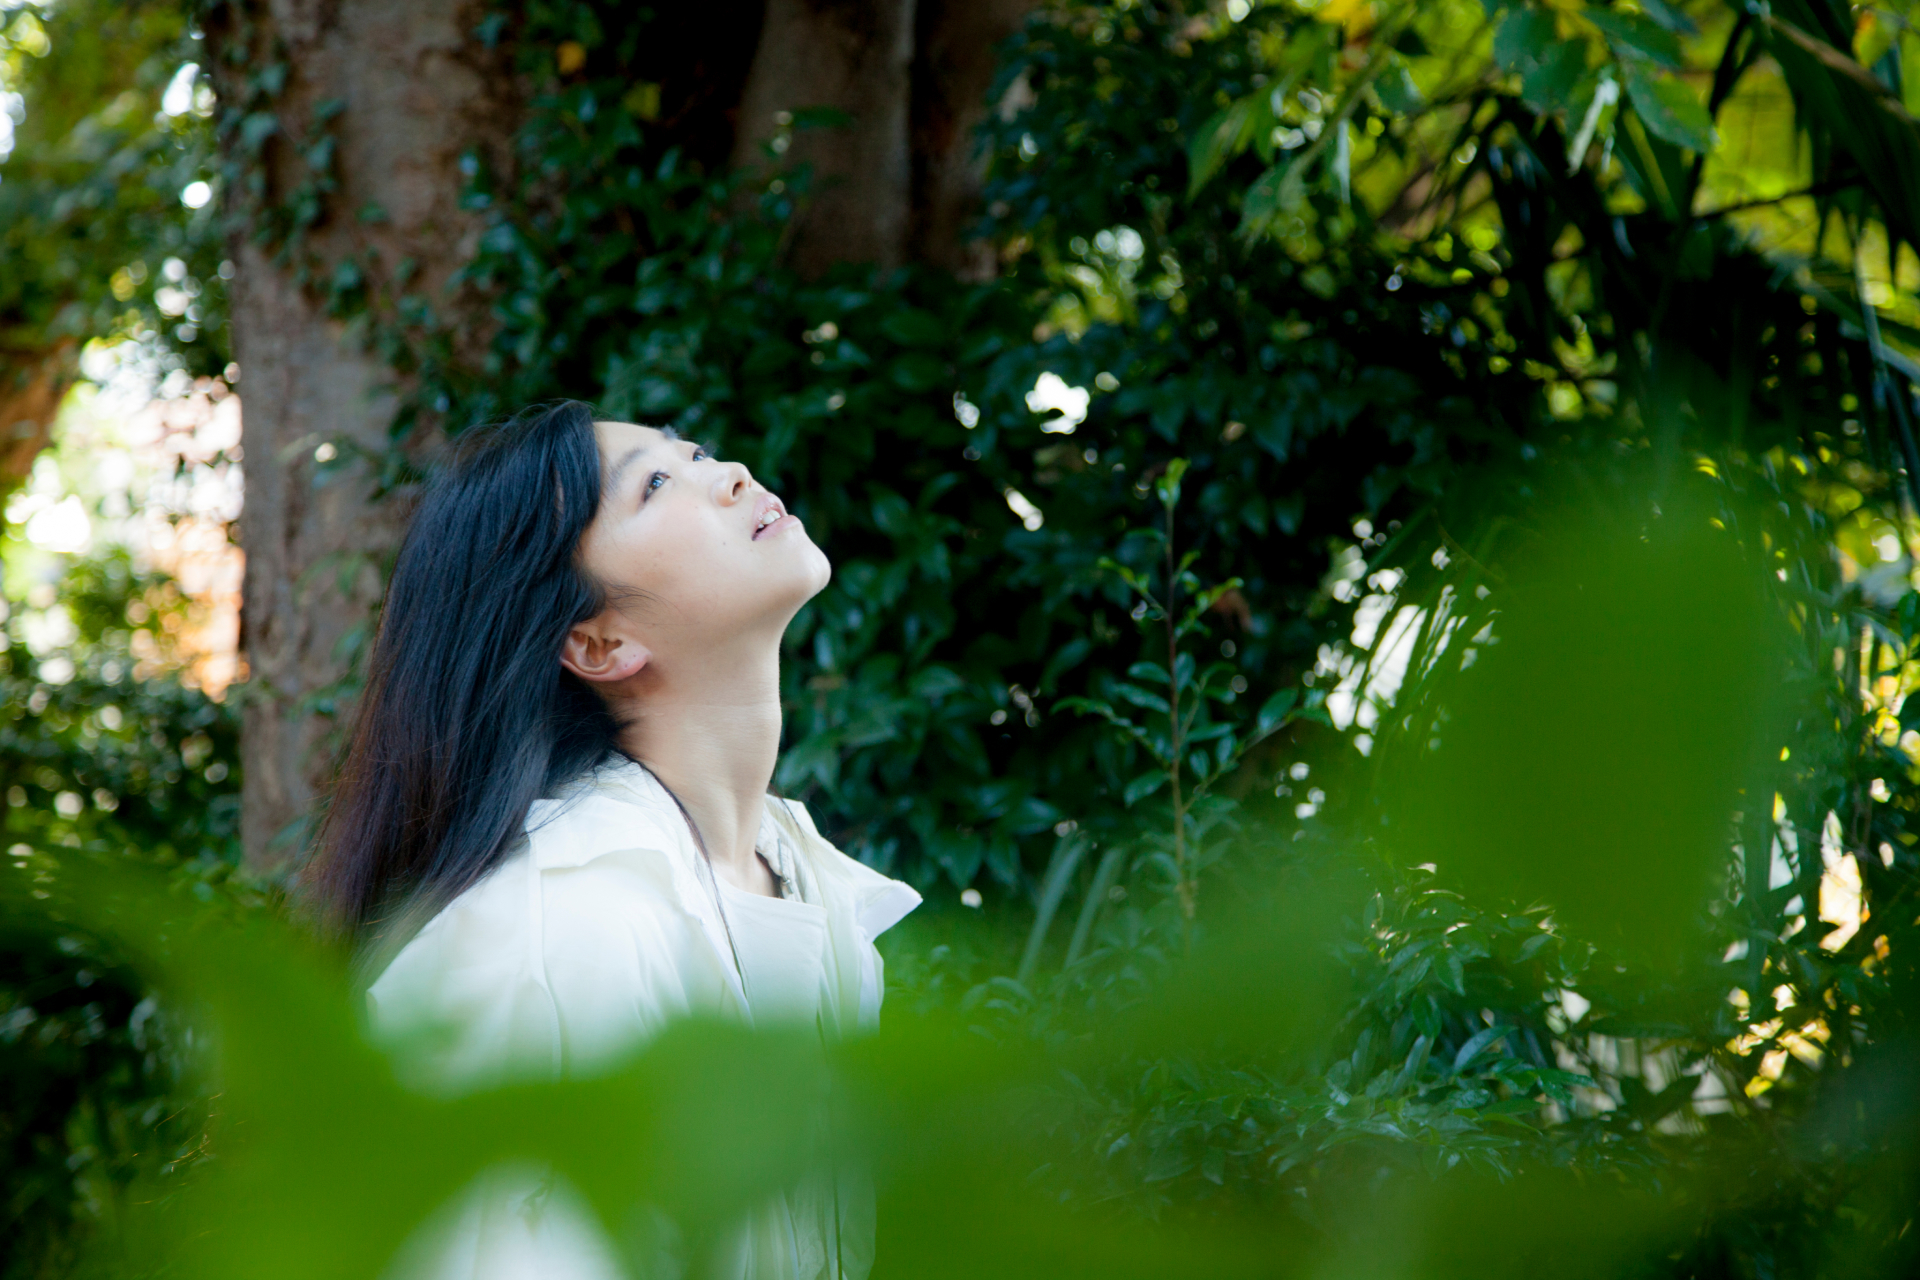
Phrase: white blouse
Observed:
(597, 932)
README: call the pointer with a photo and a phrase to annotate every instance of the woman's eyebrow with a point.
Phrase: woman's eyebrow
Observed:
(668, 436)
(620, 468)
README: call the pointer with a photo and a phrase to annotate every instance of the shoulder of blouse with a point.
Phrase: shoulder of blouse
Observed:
(597, 929)
(877, 900)
(621, 808)
(506, 979)
(616, 807)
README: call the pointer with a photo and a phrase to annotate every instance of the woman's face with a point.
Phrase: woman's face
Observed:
(693, 551)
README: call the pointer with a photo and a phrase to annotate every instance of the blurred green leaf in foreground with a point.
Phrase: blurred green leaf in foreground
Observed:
(1604, 738)
(322, 1164)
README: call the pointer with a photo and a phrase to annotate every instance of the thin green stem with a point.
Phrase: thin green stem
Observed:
(1176, 730)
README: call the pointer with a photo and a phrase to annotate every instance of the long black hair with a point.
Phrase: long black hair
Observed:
(467, 716)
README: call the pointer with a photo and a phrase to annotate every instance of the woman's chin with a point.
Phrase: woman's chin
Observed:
(799, 582)
(823, 572)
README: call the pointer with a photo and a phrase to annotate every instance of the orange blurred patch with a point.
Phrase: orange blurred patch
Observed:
(196, 625)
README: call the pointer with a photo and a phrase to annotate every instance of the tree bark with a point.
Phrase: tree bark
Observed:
(955, 59)
(899, 180)
(29, 401)
(849, 56)
(418, 91)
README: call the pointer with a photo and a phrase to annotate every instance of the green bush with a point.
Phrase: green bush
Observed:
(99, 765)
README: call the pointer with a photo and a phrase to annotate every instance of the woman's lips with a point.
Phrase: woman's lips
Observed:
(778, 526)
(767, 513)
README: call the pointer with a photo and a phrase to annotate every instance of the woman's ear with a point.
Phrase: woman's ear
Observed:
(600, 650)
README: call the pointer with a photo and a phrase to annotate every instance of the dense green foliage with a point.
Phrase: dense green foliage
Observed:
(1370, 304)
(100, 763)
(97, 241)
(98, 244)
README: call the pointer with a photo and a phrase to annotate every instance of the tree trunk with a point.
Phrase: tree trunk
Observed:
(954, 65)
(899, 179)
(29, 401)
(849, 56)
(418, 91)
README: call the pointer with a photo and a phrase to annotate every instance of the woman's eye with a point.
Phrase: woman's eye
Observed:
(656, 480)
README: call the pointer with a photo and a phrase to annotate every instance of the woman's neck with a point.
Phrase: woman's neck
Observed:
(710, 730)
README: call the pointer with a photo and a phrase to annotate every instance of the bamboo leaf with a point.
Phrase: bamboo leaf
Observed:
(1521, 34)
(1226, 135)
(1396, 90)
(1636, 37)
(1670, 109)
(1270, 195)
(1053, 888)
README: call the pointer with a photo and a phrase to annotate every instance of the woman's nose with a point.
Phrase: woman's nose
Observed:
(732, 484)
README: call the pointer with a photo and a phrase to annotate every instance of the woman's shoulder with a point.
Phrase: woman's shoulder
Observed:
(615, 807)
(465, 990)
(579, 942)
(599, 849)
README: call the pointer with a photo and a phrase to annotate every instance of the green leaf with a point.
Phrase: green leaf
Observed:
(1226, 135)
(918, 371)
(1274, 711)
(1213, 1165)
(1125, 574)
(1670, 109)
(1654, 166)
(912, 327)
(891, 514)
(1633, 36)
(1144, 786)
(1065, 659)
(1522, 34)
(1183, 670)
(1150, 672)
(1477, 1042)
(1168, 485)
(1141, 697)
(1555, 76)
(936, 682)
(1531, 948)
(1269, 196)
(1396, 90)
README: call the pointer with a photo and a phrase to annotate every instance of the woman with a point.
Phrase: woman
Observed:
(554, 817)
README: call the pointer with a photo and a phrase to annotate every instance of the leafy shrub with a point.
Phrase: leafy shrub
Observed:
(101, 765)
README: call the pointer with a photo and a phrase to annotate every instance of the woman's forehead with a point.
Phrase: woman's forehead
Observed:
(618, 436)
(622, 443)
